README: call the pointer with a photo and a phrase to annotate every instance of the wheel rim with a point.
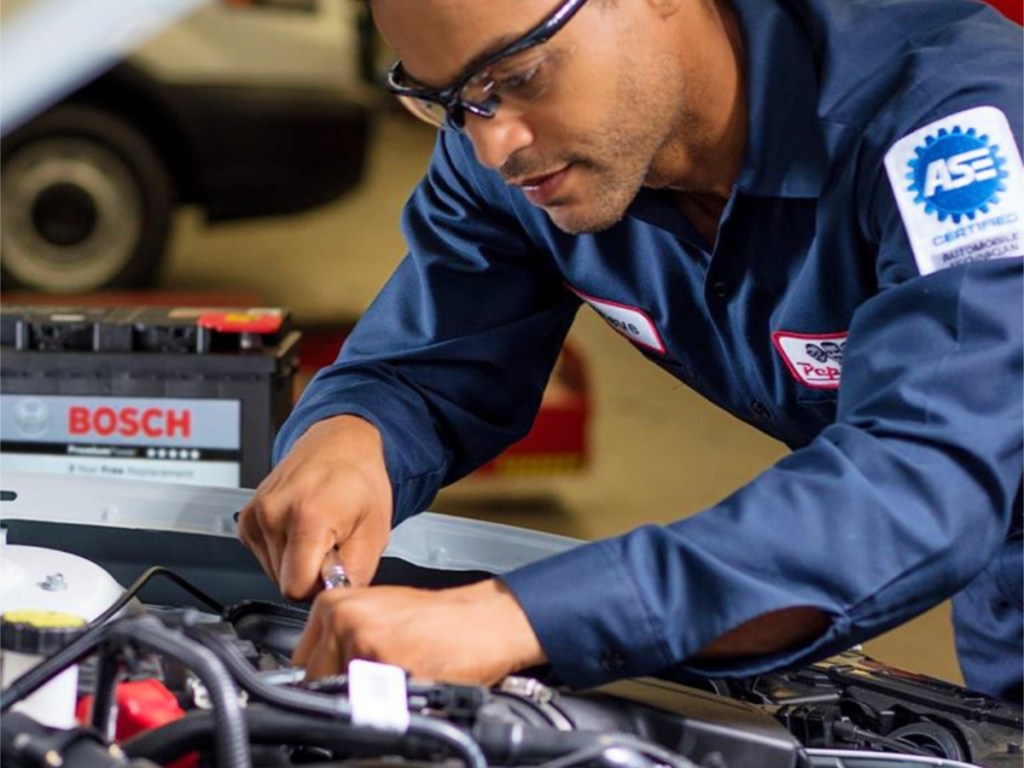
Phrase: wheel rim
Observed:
(64, 214)
(71, 214)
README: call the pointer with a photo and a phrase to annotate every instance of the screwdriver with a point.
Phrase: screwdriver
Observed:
(332, 572)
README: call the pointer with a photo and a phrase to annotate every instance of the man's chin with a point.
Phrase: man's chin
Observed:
(574, 221)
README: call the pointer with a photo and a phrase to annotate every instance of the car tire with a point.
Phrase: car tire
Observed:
(85, 203)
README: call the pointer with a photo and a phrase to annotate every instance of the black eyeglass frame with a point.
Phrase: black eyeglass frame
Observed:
(455, 108)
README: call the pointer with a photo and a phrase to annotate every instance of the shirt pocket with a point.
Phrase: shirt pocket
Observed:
(818, 407)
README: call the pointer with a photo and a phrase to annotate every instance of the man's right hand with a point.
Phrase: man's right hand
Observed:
(332, 489)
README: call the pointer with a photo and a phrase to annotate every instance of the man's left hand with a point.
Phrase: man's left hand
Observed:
(476, 634)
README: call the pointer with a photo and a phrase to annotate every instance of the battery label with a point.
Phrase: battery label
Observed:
(168, 439)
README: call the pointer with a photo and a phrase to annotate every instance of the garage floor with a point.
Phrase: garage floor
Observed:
(659, 452)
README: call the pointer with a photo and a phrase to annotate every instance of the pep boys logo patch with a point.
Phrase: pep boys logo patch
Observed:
(815, 360)
(631, 322)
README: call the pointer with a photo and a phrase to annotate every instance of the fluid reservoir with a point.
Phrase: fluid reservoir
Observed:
(47, 598)
(26, 638)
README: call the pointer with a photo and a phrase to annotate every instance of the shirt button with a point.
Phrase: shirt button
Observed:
(720, 289)
(612, 659)
(760, 410)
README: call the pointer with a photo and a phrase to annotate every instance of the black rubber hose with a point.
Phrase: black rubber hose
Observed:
(292, 699)
(447, 733)
(25, 742)
(638, 752)
(104, 702)
(267, 725)
(233, 741)
(232, 733)
(516, 743)
(334, 707)
(647, 748)
(504, 743)
(850, 732)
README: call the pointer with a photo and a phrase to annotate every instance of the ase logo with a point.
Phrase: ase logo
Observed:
(956, 173)
(958, 183)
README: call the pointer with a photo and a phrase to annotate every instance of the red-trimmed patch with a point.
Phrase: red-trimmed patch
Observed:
(632, 322)
(814, 359)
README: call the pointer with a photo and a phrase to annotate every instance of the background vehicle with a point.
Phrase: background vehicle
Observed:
(243, 108)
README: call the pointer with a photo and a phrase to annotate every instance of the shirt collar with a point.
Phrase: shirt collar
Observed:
(785, 154)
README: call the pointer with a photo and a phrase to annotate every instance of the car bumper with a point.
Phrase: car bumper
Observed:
(263, 151)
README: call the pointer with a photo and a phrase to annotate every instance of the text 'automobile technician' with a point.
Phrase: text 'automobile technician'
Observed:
(808, 211)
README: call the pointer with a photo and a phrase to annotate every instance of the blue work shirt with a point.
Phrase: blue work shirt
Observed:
(873, 232)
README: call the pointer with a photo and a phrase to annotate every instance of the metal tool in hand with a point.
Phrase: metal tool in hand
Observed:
(332, 573)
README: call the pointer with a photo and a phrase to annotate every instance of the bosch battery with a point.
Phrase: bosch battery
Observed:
(186, 395)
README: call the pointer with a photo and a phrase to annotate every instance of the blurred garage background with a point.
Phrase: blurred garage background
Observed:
(245, 153)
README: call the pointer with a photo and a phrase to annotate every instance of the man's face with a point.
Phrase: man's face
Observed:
(585, 119)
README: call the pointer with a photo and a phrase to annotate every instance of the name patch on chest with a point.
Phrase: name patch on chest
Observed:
(815, 360)
(631, 322)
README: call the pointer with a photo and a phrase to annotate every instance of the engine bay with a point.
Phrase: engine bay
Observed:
(176, 670)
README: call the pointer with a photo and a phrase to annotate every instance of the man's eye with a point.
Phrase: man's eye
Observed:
(527, 83)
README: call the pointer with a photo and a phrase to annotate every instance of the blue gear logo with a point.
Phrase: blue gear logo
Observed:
(956, 173)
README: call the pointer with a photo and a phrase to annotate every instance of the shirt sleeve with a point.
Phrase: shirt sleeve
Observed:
(892, 508)
(448, 379)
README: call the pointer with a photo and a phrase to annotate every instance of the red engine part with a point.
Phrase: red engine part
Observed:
(141, 706)
(1011, 9)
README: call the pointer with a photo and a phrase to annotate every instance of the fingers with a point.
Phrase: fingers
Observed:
(475, 634)
(251, 536)
(274, 542)
(320, 648)
(291, 546)
(333, 487)
(264, 527)
(280, 532)
(299, 564)
(309, 639)
(290, 552)
(293, 558)
(361, 549)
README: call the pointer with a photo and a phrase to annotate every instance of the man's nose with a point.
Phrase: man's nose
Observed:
(496, 139)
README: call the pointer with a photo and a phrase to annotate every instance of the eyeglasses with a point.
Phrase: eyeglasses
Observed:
(480, 90)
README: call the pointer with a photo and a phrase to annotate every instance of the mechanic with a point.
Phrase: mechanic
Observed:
(808, 211)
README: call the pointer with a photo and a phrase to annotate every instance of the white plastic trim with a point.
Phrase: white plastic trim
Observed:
(428, 540)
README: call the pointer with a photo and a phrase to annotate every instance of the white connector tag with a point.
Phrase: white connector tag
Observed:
(378, 695)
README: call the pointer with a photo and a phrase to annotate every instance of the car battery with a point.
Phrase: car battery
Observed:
(187, 395)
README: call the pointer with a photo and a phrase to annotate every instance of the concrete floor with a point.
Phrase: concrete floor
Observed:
(659, 452)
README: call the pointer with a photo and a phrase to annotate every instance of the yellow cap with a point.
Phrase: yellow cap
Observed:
(44, 619)
(39, 632)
